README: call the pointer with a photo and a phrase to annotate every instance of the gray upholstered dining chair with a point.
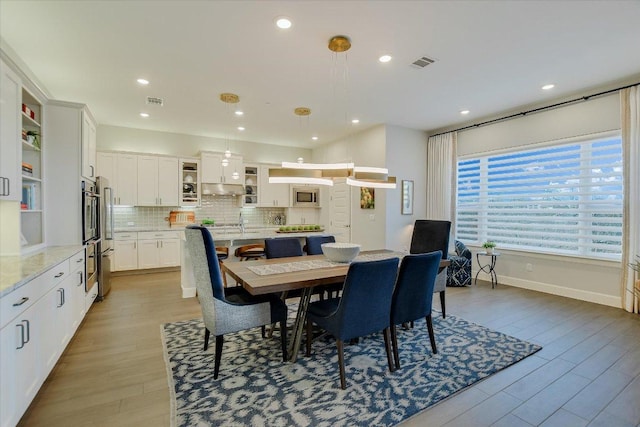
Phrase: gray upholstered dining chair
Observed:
(428, 236)
(228, 310)
(363, 308)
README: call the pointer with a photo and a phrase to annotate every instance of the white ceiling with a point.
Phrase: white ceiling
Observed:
(491, 56)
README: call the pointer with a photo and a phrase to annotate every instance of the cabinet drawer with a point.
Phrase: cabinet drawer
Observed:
(76, 262)
(55, 275)
(129, 235)
(159, 235)
(13, 304)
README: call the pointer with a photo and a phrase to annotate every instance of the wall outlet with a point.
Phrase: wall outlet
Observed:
(372, 217)
(529, 267)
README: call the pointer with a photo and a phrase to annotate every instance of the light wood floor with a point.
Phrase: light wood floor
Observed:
(588, 373)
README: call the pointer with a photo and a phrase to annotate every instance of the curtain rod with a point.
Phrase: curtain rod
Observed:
(537, 110)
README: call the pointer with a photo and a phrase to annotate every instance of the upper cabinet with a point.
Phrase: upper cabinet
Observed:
(158, 181)
(121, 170)
(251, 185)
(10, 122)
(88, 146)
(272, 195)
(213, 172)
(67, 127)
(190, 188)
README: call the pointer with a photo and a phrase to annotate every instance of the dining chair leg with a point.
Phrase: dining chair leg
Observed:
(394, 344)
(309, 335)
(387, 347)
(206, 339)
(263, 329)
(216, 366)
(444, 308)
(343, 382)
(283, 339)
(432, 336)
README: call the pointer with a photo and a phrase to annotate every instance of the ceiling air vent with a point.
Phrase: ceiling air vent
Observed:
(422, 62)
(155, 101)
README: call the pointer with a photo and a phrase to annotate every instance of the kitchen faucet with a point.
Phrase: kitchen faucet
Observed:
(241, 224)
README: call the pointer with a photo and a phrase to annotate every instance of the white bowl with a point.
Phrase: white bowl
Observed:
(340, 252)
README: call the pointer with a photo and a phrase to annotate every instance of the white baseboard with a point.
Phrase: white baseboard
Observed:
(188, 292)
(547, 288)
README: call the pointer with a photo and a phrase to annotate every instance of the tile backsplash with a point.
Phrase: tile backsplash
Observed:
(222, 209)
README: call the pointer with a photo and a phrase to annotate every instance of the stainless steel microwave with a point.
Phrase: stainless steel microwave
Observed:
(306, 197)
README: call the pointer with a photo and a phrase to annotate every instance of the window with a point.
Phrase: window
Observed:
(564, 198)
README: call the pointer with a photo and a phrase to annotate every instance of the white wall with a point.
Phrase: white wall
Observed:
(596, 281)
(367, 148)
(114, 138)
(406, 154)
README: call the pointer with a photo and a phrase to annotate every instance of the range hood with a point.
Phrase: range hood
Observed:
(222, 189)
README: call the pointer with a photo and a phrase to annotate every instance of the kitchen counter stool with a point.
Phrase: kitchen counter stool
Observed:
(223, 253)
(253, 251)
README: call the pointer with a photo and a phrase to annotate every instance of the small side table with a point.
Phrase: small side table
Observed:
(489, 268)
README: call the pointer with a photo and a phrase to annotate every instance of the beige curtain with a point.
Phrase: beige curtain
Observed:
(441, 177)
(630, 112)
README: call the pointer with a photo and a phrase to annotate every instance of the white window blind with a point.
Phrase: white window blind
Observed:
(564, 199)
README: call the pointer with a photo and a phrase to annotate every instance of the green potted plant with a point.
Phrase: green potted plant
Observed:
(32, 138)
(489, 246)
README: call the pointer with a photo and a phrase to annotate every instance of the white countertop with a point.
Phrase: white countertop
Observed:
(17, 270)
(230, 233)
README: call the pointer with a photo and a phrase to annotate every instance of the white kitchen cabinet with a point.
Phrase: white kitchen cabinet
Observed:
(77, 276)
(88, 146)
(37, 323)
(125, 251)
(121, 169)
(10, 99)
(298, 216)
(158, 179)
(252, 188)
(158, 249)
(214, 172)
(190, 184)
(272, 195)
(20, 367)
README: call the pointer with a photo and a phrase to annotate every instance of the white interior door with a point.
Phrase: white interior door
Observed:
(340, 212)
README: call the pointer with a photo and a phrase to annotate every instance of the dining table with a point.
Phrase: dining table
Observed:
(269, 276)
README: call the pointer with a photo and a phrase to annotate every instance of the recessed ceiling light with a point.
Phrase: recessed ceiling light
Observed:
(144, 114)
(143, 81)
(315, 138)
(239, 113)
(240, 128)
(464, 112)
(385, 58)
(549, 86)
(283, 22)
(355, 121)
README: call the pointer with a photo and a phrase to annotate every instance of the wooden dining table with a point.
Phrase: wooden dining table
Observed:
(268, 276)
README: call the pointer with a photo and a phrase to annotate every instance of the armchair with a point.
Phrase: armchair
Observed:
(459, 271)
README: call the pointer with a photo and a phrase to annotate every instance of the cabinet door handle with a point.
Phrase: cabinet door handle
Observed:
(59, 275)
(92, 175)
(135, 245)
(28, 330)
(61, 294)
(160, 200)
(81, 278)
(5, 189)
(79, 260)
(22, 301)
(22, 341)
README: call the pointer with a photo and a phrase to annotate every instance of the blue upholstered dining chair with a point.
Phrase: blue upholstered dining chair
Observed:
(413, 295)
(459, 271)
(313, 244)
(364, 308)
(282, 247)
(428, 236)
(227, 310)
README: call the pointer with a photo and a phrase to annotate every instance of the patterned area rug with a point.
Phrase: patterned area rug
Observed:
(255, 388)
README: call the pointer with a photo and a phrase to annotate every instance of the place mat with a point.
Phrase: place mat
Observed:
(303, 265)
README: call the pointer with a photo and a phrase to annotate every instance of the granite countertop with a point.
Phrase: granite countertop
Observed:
(17, 270)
